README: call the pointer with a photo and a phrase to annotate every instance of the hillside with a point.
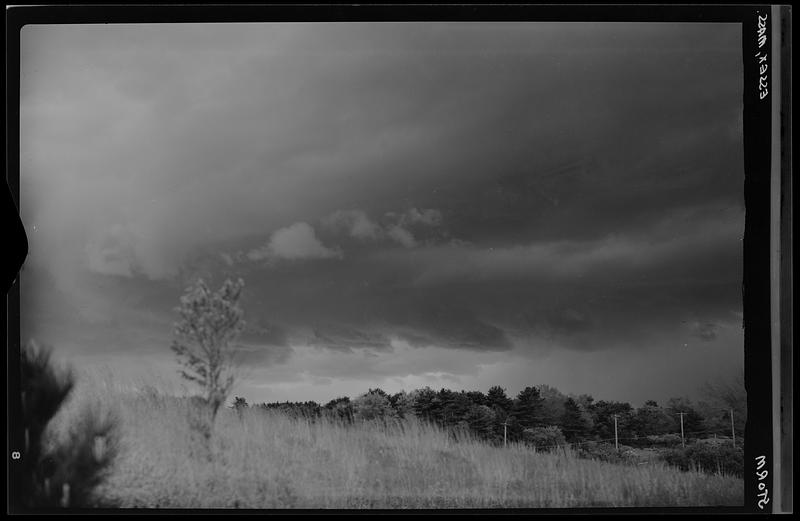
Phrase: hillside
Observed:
(267, 459)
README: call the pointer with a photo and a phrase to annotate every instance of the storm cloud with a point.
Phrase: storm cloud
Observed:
(408, 204)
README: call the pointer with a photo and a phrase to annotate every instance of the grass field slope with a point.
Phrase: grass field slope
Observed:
(264, 459)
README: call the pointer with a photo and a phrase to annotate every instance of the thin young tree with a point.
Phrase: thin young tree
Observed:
(210, 322)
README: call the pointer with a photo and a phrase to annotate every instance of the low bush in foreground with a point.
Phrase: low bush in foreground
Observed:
(68, 448)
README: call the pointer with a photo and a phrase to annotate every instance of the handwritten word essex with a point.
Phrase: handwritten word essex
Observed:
(761, 34)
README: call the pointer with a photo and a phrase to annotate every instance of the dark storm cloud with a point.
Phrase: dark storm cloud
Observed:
(261, 355)
(269, 335)
(706, 332)
(595, 295)
(347, 338)
(446, 323)
(487, 189)
(295, 122)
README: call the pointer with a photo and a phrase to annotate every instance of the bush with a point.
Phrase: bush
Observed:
(711, 456)
(339, 409)
(544, 438)
(62, 473)
(373, 406)
(655, 440)
(664, 440)
(604, 452)
(85, 461)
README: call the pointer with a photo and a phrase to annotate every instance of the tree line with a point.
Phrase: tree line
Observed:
(540, 415)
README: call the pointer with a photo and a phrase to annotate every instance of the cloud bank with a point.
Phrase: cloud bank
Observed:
(417, 202)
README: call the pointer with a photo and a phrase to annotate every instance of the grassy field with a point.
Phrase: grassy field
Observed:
(268, 460)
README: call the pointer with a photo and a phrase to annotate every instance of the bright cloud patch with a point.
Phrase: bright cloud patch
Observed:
(355, 223)
(397, 226)
(402, 236)
(297, 241)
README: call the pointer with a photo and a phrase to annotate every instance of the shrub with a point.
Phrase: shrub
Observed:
(63, 472)
(373, 406)
(339, 409)
(544, 438)
(712, 456)
(239, 405)
(85, 461)
(664, 440)
(403, 404)
(603, 451)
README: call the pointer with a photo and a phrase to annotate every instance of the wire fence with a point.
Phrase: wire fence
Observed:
(576, 444)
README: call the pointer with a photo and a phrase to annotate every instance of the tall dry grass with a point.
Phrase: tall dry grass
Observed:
(263, 459)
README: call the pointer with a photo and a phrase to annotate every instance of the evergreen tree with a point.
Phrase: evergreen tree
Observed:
(552, 405)
(481, 421)
(692, 420)
(59, 472)
(447, 407)
(426, 404)
(477, 397)
(527, 408)
(403, 404)
(501, 405)
(652, 420)
(499, 401)
(603, 416)
(454, 406)
(719, 398)
(576, 422)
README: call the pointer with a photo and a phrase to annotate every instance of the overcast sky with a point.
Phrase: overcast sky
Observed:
(447, 204)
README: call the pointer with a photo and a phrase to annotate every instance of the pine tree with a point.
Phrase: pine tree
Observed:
(552, 405)
(481, 421)
(403, 404)
(603, 413)
(527, 408)
(692, 420)
(575, 422)
(651, 419)
(498, 400)
(203, 344)
(426, 404)
(501, 404)
(63, 473)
